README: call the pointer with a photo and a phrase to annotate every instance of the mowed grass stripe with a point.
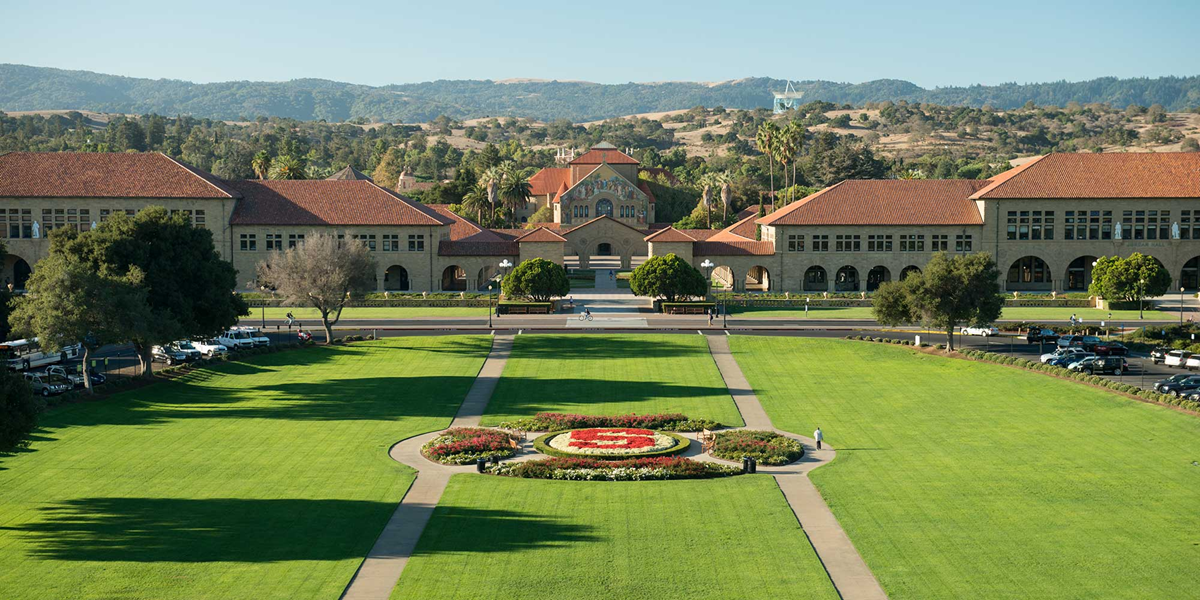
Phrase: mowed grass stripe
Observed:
(957, 479)
(493, 537)
(611, 374)
(263, 479)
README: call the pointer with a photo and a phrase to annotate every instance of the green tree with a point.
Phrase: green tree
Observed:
(189, 286)
(1131, 279)
(69, 301)
(537, 279)
(323, 272)
(491, 178)
(287, 167)
(514, 188)
(668, 277)
(544, 214)
(766, 137)
(951, 290)
(261, 163)
(19, 410)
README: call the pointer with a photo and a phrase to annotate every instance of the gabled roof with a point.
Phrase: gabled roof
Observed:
(733, 248)
(349, 173)
(478, 247)
(321, 202)
(670, 234)
(603, 217)
(562, 189)
(105, 175)
(646, 190)
(461, 227)
(547, 180)
(744, 230)
(541, 234)
(1116, 175)
(885, 202)
(604, 154)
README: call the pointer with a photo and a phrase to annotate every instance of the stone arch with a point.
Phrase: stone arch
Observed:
(876, 276)
(487, 273)
(909, 270)
(1079, 274)
(1029, 273)
(1189, 276)
(454, 279)
(16, 271)
(816, 279)
(725, 276)
(846, 279)
(758, 278)
(604, 249)
(395, 279)
(604, 208)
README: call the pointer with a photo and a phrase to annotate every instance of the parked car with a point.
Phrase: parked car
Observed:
(1111, 349)
(984, 331)
(1083, 364)
(1066, 341)
(1089, 342)
(187, 348)
(1059, 353)
(1172, 379)
(1104, 365)
(1044, 336)
(1181, 387)
(256, 336)
(1177, 358)
(46, 384)
(1070, 358)
(303, 335)
(76, 378)
(236, 339)
(168, 354)
(210, 347)
(1192, 363)
(1159, 355)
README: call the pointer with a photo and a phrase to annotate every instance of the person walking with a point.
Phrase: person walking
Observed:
(710, 317)
(817, 435)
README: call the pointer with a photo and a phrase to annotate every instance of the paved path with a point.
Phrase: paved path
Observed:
(850, 575)
(378, 574)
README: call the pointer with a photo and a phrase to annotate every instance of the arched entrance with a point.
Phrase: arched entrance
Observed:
(1190, 276)
(1079, 273)
(487, 274)
(454, 279)
(604, 249)
(877, 276)
(846, 280)
(722, 277)
(816, 279)
(1029, 273)
(757, 278)
(395, 279)
(604, 207)
(909, 270)
(20, 270)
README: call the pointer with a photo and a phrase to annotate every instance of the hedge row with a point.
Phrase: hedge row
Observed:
(1029, 365)
(548, 421)
(634, 469)
(898, 342)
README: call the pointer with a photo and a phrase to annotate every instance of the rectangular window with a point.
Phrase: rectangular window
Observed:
(795, 243)
(847, 243)
(47, 220)
(1185, 224)
(367, 240)
(416, 243)
(294, 239)
(200, 218)
(249, 243)
(962, 243)
(26, 223)
(940, 243)
(820, 243)
(391, 242)
(274, 241)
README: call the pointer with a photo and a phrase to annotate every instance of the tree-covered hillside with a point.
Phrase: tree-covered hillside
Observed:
(38, 88)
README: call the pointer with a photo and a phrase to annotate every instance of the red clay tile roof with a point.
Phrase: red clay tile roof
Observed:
(700, 234)
(349, 173)
(1117, 175)
(746, 248)
(461, 227)
(743, 230)
(541, 234)
(611, 156)
(646, 190)
(669, 234)
(885, 202)
(562, 189)
(104, 175)
(547, 180)
(321, 202)
(469, 247)
(593, 220)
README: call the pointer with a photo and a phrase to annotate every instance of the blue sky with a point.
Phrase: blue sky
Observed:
(931, 42)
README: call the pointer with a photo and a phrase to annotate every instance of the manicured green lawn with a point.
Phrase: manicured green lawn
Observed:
(310, 316)
(1015, 313)
(264, 479)
(611, 374)
(493, 537)
(958, 479)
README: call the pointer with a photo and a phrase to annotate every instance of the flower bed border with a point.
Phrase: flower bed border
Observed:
(662, 422)
(763, 460)
(466, 458)
(628, 469)
(542, 444)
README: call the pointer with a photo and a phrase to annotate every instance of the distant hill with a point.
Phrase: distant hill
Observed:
(40, 88)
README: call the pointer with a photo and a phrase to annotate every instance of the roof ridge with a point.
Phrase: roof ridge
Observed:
(1016, 171)
(193, 170)
(420, 207)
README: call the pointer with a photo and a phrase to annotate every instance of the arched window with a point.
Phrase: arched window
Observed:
(604, 207)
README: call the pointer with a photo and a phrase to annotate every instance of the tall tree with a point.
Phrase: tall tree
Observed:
(475, 200)
(950, 290)
(491, 178)
(726, 182)
(794, 134)
(261, 163)
(514, 189)
(69, 301)
(766, 140)
(287, 166)
(323, 273)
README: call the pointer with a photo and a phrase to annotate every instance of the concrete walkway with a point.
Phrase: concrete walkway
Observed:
(378, 574)
(850, 575)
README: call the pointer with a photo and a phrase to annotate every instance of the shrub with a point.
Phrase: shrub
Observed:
(766, 447)
(465, 445)
(19, 410)
(634, 469)
(563, 421)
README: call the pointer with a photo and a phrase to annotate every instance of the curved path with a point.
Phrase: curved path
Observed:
(381, 570)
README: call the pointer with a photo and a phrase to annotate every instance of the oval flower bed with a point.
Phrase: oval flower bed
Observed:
(634, 469)
(465, 445)
(611, 443)
(766, 447)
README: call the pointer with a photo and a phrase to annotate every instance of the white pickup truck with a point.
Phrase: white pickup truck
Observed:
(210, 347)
(255, 335)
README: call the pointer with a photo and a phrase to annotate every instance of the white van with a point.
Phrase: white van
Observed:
(236, 339)
(255, 335)
(1177, 358)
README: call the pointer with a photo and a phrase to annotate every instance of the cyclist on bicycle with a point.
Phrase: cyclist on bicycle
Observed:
(587, 312)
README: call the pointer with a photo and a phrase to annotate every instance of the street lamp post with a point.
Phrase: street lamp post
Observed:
(505, 265)
(1141, 296)
(1181, 307)
(490, 306)
(708, 266)
(263, 289)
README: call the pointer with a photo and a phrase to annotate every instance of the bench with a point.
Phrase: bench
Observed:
(707, 439)
(687, 310)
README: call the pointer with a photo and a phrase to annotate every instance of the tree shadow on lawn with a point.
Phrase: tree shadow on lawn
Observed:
(587, 347)
(459, 529)
(527, 396)
(152, 530)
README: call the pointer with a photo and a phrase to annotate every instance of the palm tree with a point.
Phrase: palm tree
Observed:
(707, 182)
(514, 189)
(725, 180)
(794, 133)
(784, 152)
(490, 179)
(287, 167)
(261, 163)
(765, 138)
(476, 200)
